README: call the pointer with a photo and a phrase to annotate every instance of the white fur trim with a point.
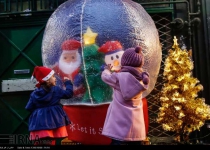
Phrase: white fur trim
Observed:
(48, 76)
(32, 77)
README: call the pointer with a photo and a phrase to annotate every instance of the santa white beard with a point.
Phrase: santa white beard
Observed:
(69, 68)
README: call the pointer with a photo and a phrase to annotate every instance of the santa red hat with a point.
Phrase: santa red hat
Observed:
(110, 47)
(42, 74)
(70, 45)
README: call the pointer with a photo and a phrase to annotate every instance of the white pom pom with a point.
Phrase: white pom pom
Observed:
(32, 77)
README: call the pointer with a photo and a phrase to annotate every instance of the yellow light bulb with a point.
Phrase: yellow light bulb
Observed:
(89, 37)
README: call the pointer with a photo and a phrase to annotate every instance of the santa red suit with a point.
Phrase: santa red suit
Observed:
(69, 65)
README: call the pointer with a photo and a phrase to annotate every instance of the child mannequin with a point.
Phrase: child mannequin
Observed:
(124, 122)
(48, 120)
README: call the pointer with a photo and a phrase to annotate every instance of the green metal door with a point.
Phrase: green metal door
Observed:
(21, 51)
(22, 25)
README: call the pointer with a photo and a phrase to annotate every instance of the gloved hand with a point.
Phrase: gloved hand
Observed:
(102, 67)
(79, 79)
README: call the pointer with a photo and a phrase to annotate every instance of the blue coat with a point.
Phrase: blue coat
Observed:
(46, 110)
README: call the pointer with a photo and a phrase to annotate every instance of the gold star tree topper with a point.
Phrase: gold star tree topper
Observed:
(175, 42)
(89, 37)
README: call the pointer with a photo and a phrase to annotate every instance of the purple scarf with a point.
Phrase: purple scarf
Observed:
(136, 73)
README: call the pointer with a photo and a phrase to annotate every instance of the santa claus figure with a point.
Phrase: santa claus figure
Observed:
(69, 65)
(113, 52)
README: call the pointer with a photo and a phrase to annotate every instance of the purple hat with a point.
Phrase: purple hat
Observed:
(133, 57)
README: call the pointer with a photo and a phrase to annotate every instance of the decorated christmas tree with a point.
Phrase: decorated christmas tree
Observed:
(181, 111)
(97, 91)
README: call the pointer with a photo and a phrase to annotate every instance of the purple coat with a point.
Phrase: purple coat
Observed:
(124, 120)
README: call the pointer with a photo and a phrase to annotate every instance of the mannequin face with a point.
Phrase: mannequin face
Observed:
(69, 57)
(69, 62)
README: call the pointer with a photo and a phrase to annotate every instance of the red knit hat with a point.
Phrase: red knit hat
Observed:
(110, 46)
(42, 74)
(133, 57)
(70, 45)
